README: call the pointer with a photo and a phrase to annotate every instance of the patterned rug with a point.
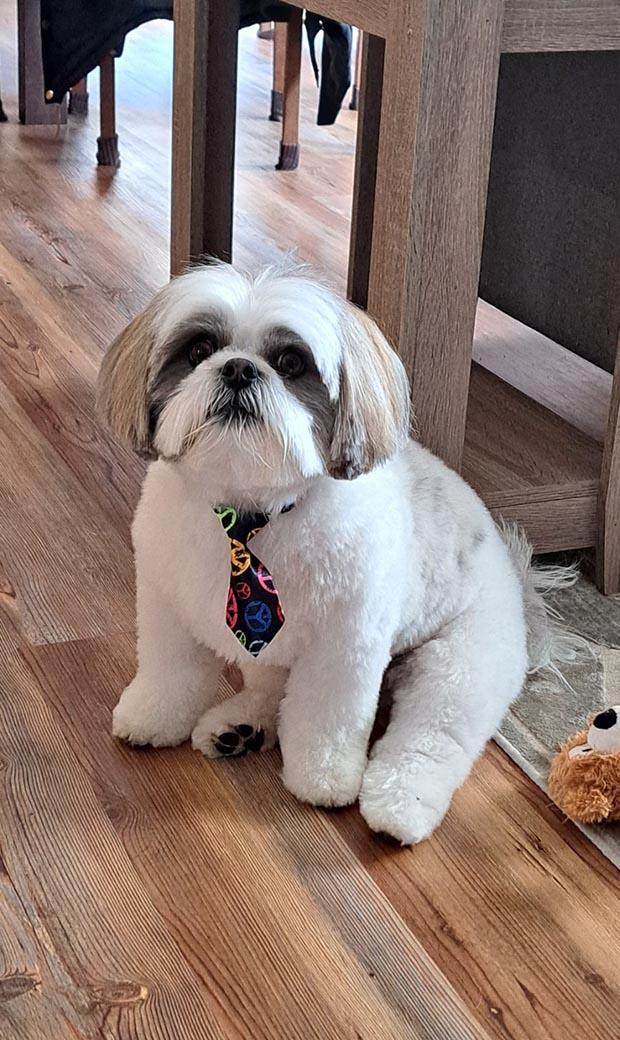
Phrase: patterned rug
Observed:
(548, 711)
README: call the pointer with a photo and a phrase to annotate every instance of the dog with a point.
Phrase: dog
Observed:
(277, 418)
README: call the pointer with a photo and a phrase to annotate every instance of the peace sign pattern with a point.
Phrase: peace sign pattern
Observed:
(253, 609)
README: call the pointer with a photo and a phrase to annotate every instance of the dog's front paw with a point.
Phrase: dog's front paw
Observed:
(406, 803)
(148, 714)
(239, 724)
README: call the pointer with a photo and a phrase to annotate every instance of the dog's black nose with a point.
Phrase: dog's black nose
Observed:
(238, 373)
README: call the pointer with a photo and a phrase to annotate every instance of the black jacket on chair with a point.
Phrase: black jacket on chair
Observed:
(76, 33)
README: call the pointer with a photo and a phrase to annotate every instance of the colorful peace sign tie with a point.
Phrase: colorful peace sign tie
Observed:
(253, 611)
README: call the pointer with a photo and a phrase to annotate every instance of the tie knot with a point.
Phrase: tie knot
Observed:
(240, 526)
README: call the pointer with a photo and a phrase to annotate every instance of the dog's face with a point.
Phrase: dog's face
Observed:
(271, 381)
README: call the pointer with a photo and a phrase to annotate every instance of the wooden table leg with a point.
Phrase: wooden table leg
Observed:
(203, 129)
(289, 145)
(33, 108)
(440, 83)
(367, 143)
(279, 56)
(608, 541)
(107, 142)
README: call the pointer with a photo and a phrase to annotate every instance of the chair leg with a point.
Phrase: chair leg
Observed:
(439, 88)
(357, 73)
(78, 98)
(279, 57)
(203, 131)
(107, 142)
(289, 145)
(608, 540)
(367, 144)
(265, 31)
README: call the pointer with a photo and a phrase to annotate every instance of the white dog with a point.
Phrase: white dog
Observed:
(283, 407)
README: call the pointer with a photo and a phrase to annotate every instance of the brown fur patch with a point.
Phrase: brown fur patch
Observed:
(122, 398)
(373, 408)
(586, 788)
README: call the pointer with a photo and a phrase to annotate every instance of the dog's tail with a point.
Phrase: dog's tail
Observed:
(549, 643)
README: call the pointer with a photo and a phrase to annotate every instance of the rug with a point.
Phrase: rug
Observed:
(549, 711)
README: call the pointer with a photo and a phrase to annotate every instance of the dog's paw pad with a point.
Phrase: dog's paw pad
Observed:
(239, 740)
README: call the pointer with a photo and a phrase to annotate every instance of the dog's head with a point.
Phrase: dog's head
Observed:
(273, 379)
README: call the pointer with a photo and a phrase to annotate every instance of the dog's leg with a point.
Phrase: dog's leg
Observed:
(176, 678)
(326, 718)
(247, 721)
(449, 697)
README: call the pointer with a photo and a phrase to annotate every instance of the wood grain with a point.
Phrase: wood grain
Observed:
(608, 542)
(154, 895)
(561, 25)
(289, 143)
(434, 152)
(369, 15)
(364, 184)
(563, 382)
(203, 130)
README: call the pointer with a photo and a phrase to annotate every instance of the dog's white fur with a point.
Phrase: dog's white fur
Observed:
(402, 563)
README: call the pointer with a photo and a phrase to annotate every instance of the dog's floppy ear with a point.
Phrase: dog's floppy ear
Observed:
(122, 385)
(372, 418)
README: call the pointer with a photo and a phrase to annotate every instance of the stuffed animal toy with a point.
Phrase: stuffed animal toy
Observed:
(584, 779)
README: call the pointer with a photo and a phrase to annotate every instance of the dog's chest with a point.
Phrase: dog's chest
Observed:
(307, 572)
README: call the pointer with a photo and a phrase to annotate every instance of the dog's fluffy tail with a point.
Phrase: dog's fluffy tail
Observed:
(549, 643)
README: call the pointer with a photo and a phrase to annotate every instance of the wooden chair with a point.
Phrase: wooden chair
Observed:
(429, 83)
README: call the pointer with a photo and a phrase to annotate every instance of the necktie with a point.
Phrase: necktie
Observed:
(253, 610)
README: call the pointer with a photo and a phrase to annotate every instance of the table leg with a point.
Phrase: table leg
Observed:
(289, 144)
(203, 129)
(362, 214)
(440, 83)
(608, 542)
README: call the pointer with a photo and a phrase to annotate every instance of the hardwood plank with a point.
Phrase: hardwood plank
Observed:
(561, 25)
(57, 546)
(105, 962)
(524, 930)
(343, 966)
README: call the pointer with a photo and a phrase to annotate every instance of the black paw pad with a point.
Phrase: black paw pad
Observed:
(239, 740)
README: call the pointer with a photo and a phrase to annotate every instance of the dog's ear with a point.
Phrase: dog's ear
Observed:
(372, 417)
(122, 385)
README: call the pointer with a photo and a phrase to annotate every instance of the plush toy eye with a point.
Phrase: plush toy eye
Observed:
(198, 351)
(291, 363)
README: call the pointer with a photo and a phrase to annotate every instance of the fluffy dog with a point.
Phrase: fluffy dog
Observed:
(271, 397)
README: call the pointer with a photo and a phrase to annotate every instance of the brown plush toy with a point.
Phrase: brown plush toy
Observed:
(584, 779)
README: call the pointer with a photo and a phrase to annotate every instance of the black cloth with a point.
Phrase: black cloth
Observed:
(76, 33)
(335, 75)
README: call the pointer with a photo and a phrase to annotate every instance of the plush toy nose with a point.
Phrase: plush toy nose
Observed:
(605, 719)
(239, 373)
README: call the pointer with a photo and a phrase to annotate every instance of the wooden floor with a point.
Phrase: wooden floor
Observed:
(155, 894)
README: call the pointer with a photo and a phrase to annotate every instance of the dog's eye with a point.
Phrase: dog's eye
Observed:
(291, 363)
(199, 350)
